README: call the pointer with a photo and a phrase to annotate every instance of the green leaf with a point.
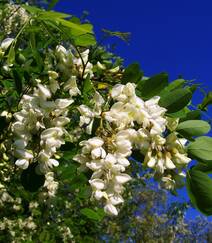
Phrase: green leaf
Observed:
(18, 81)
(199, 186)
(132, 74)
(76, 29)
(176, 84)
(59, 19)
(31, 9)
(137, 155)
(52, 15)
(30, 180)
(176, 100)
(11, 55)
(201, 149)
(152, 86)
(91, 214)
(52, 4)
(206, 101)
(3, 123)
(87, 90)
(85, 40)
(179, 114)
(193, 127)
(191, 115)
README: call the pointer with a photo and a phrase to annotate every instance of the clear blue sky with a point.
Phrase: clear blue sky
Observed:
(172, 36)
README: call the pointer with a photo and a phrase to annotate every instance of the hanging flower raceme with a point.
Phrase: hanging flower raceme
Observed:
(33, 124)
(107, 158)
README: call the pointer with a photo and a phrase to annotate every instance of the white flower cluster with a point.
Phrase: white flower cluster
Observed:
(130, 109)
(42, 120)
(50, 184)
(14, 17)
(69, 61)
(135, 124)
(108, 160)
(167, 156)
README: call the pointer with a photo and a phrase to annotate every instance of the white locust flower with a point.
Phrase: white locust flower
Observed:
(71, 86)
(108, 178)
(88, 114)
(53, 83)
(167, 156)
(130, 108)
(6, 43)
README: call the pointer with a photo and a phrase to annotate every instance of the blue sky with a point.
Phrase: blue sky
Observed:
(172, 36)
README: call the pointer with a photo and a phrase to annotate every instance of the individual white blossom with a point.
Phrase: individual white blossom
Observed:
(88, 114)
(6, 43)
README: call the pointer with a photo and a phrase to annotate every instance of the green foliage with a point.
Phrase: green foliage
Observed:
(201, 149)
(150, 87)
(132, 74)
(30, 180)
(193, 128)
(176, 84)
(93, 215)
(80, 34)
(206, 101)
(29, 58)
(199, 186)
(176, 100)
(191, 115)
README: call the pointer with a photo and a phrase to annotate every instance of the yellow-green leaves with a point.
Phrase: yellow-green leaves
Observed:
(81, 34)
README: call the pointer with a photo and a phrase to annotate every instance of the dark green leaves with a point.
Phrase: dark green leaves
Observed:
(30, 180)
(201, 149)
(191, 115)
(152, 86)
(132, 74)
(3, 123)
(193, 127)
(18, 81)
(199, 186)
(175, 100)
(91, 214)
